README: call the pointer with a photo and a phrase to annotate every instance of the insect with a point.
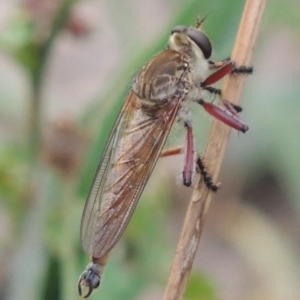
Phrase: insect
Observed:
(160, 95)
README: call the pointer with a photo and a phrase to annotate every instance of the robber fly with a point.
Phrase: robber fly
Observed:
(159, 96)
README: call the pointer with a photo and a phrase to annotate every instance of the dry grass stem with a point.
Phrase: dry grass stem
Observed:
(214, 153)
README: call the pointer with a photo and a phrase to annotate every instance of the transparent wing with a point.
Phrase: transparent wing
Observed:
(92, 204)
(130, 155)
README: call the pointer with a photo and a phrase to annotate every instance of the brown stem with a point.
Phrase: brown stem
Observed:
(214, 153)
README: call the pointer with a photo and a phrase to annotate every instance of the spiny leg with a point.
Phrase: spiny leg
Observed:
(233, 108)
(242, 70)
(246, 70)
(205, 175)
(223, 68)
(189, 160)
(228, 113)
(213, 90)
(216, 91)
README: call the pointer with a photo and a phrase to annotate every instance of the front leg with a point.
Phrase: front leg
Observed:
(213, 65)
(224, 67)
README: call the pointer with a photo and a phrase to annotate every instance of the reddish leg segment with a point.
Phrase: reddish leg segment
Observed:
(189, 161)
(228, 114)
(172, 151)
(218, 64)
(219, 74)
(225, 115)
(224, 67)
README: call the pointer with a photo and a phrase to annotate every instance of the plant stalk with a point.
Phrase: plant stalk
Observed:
(214, 154)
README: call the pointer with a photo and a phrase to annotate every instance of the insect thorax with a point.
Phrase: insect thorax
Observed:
(164, 76)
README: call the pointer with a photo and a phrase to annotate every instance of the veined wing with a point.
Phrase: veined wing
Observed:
(130, 155)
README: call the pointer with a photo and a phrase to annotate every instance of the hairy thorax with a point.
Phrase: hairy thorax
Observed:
(169, 74)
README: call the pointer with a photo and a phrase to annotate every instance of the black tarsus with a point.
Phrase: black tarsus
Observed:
(243, 70)
(212, 90)
(237, 107)
(206, 177)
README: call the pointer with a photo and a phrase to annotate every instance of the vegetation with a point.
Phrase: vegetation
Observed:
(48, 158)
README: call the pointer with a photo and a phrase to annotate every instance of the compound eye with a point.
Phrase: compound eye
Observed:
(179, 28)
(200, 39)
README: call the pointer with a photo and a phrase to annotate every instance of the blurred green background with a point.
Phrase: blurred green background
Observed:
(65, 67)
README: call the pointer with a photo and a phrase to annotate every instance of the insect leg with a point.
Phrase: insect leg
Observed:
(242, 70)
(218, 64)
(219, 74)
(189, 161)
(172, 151)
(206, 177)
(227, 116)
(213, 90)
(238, 70)
(224, 67)
(233, 108)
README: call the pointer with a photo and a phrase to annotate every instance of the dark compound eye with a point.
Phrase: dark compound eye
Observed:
(198, 37)
(201, 40)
